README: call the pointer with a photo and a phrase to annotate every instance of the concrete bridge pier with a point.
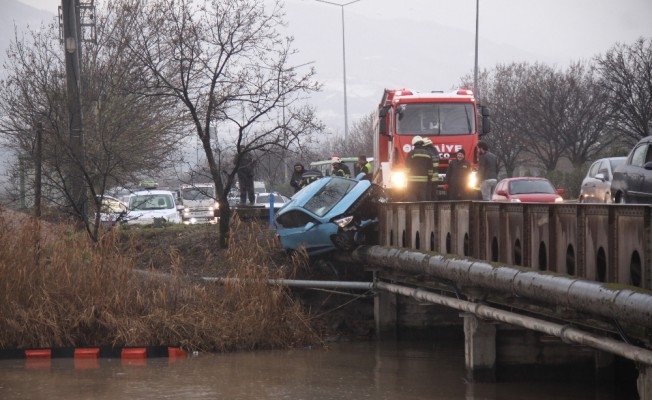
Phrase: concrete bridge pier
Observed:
(479, 349)
(644, 382)
(386, 314)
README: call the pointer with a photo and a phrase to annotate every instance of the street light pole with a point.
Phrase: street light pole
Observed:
(476, 91)
(346, 113)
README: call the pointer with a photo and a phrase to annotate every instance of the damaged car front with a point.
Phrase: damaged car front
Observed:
(330, 214)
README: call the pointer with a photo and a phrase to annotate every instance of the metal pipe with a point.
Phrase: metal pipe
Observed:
(304, 283)
(594, 298)
(566, 333)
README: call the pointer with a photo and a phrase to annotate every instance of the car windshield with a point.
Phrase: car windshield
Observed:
(329, 195)
(435, 119)
(531, 186)
(201, 193)
(151, 202)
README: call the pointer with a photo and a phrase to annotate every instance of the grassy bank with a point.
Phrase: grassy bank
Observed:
(58, 289)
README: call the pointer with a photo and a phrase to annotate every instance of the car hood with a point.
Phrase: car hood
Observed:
(146, 217)
(536, 197)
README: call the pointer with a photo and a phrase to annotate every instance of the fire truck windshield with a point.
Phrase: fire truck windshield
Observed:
(435, 119)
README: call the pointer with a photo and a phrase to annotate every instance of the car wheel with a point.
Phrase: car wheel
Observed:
(621, 199)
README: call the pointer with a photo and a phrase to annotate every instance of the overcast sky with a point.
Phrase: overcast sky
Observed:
(429, 44)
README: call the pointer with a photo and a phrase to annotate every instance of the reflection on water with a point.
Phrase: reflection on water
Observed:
(366, 370)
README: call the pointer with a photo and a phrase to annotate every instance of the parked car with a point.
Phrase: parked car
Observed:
(112, 210)
(528, 190)
(329, 214)
(632, 181)
(596, 186)
(262, 199)
(148, 206)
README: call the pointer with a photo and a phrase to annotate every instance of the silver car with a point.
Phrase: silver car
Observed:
(596, 186)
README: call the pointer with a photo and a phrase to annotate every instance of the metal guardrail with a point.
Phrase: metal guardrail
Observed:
(609, 243)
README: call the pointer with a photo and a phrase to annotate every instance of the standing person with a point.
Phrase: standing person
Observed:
(434, 179)
(296, 181)
(457, 176)
(487, 170)
(245, 176)
(419, 171)
(339, 168)
(365, 168)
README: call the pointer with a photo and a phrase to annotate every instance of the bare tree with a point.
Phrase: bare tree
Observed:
(359, 142)
(124, 134)
(230, 70)
(627, 77)
(541, 114)
(585, 115)
(501, 90)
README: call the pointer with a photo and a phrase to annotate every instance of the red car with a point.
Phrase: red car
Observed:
(527, 190)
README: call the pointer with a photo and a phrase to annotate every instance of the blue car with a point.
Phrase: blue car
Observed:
(329, 214)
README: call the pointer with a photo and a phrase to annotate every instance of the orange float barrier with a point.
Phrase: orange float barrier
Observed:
(93, 352)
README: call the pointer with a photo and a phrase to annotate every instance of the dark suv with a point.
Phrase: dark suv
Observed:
(632, 182)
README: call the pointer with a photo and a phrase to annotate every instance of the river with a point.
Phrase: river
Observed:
(350, 370)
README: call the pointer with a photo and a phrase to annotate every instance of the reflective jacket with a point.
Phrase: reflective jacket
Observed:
(419, 165)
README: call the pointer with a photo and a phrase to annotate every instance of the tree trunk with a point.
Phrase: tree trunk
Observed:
(225, 221)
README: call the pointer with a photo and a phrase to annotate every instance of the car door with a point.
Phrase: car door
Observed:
(589, 183)
(602, 188)
(645, 193)
(634, 174)
(297, 229)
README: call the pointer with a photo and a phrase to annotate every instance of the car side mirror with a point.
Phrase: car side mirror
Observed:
(648, 165)
(600, 176)
(501, 192)
(309, 226)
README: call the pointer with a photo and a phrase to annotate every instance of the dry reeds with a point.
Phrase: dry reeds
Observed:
(59, 289)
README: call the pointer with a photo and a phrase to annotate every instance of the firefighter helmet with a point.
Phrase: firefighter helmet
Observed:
(427, 141)
(335, 160)
(417, 140)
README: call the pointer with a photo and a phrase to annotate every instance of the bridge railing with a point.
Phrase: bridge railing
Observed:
(609, 243)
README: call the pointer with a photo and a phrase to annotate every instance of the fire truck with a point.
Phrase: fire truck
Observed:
(452, 121)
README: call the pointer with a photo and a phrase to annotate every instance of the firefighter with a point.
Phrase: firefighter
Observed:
(419, 171)
(434, 179)
(339, 168)
(457, 177)
(365, 168)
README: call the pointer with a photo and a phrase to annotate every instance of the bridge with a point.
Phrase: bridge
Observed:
(536, 284)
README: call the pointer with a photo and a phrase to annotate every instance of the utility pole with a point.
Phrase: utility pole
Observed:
(70, 16)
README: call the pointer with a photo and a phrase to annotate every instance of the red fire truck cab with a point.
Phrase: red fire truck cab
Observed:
(450, 120)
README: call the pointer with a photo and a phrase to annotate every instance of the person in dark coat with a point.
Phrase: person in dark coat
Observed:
(487, 171)
(297, 177)
(457, 177)
(419, 171)
(245, 176)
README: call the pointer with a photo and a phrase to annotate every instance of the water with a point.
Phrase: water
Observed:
(366, 370)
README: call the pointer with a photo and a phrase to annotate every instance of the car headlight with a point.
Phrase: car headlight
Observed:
(559, 200)
(515, 200)
(344, 221)
(398, 179)
(473, 179)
